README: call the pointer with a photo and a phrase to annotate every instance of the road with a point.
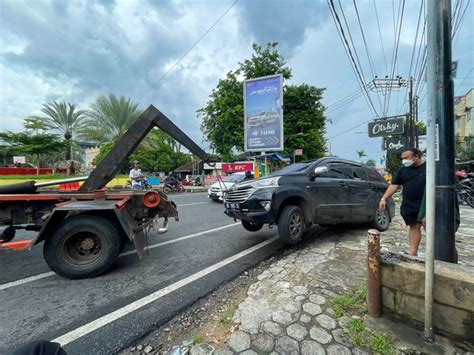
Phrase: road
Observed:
(104, 314)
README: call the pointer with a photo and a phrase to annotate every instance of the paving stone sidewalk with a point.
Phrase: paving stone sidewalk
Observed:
(288, 310)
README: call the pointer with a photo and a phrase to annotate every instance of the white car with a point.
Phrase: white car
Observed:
(215, 192)
(263, 118)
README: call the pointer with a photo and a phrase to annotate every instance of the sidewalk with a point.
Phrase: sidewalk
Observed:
(304, 303)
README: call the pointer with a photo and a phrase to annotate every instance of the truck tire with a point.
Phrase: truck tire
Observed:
(252, 226)
(83, 247)
(291, 224)
(381, 219)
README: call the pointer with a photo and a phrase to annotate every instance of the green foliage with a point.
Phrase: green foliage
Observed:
(198, 339)
(228, 316)
(109, 117)
(465, 148)
(157, 152)
(353, 302)
(380, 343)
(31, 144)
(371, 163)
(62, 117)
(222, 117)
(361, 154)
(304, 120)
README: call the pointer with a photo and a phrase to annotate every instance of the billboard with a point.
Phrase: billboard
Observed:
(395, 145)
(263, 114)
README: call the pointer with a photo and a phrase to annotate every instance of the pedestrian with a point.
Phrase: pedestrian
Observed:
(136, 176)
(412, 177)
(248, 175)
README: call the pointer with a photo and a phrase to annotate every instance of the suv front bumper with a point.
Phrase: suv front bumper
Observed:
(253, 208)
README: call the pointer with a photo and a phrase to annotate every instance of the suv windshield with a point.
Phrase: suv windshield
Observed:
(234, 178)
(293, 168)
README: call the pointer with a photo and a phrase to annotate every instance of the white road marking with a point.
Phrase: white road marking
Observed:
(121, 312)
(193, 204)
(152, 246)
(26, 280)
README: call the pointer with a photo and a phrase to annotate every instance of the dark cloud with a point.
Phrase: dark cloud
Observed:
(283, 21)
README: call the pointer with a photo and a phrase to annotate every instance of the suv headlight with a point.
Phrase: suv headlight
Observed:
(263, 183)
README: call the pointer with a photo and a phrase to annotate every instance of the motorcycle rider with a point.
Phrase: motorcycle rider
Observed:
(136, 176)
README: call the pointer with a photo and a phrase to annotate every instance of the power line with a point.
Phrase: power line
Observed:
(350, 129)
(348, 50)
(194, 45)
(395, 52)
(371, 63)
(380, 36)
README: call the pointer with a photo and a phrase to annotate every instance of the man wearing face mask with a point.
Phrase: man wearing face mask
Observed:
(412, 176)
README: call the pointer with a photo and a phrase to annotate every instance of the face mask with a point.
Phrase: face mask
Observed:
(407, 162)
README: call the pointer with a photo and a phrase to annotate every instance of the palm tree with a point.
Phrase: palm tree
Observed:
(108, 118)
(63, 117)
(361, 154)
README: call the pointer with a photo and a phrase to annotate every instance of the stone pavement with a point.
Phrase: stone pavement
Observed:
(289, 309)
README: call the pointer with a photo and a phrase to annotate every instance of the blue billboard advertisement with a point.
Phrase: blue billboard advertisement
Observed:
(263, 121)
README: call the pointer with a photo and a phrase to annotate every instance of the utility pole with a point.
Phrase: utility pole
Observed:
(416, 122)
(445, 186)
(411, 116)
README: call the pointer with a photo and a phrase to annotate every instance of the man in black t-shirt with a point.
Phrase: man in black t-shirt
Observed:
(412, 176)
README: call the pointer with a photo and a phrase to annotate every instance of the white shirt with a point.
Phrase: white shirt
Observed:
(134, 173)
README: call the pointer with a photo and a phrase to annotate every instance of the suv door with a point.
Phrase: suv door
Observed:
(331, 196)
(359, 193)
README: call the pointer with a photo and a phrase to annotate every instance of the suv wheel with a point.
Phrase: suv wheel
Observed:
(381, 219)
(291, 225)
(252, 226)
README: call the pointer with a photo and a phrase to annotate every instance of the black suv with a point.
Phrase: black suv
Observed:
(326, 191)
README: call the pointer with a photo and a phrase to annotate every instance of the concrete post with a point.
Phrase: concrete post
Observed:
(374, 293)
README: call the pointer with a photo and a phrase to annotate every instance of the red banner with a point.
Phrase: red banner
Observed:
(236, 167)
(24, 171)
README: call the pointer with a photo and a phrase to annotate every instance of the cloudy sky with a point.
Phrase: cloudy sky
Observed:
(76, 50)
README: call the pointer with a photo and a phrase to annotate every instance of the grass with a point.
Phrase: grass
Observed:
(198, 339)
(352, 304)
(227, 317)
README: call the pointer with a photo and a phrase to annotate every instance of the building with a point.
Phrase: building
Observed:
(463, 117)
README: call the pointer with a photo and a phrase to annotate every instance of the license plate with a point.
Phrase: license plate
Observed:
(232, 206)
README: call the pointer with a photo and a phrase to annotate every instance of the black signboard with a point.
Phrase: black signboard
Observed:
(395, 145)
(383, 128)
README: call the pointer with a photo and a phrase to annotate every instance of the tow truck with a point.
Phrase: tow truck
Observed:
(84, 231)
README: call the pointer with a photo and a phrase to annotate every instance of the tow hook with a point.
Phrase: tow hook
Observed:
(270, 226)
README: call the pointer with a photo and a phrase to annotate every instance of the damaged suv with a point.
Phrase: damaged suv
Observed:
(326, 191)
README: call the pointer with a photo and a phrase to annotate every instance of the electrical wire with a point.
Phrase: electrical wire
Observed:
(395, 52)
(350, 129)
(352, 60)
(194, 45)
(380, 37)
(371, 63)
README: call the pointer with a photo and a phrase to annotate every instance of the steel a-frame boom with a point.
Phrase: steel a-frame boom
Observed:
(124, 147)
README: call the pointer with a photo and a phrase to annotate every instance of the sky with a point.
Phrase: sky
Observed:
(77, 50)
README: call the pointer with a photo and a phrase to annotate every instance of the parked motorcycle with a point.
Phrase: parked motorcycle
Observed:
(466, 190)
(169, 187)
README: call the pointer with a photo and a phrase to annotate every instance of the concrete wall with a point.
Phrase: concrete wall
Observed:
(403, 287)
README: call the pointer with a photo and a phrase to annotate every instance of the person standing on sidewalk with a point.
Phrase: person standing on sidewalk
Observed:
(412, 176)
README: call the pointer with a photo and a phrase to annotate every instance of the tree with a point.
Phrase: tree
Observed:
(371, 163)
(361, 154)
(222, 117)
(157, 152)
(63, 117)
(109, 117)
(36, 144)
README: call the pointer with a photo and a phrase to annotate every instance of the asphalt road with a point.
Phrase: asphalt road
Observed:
(104, 314)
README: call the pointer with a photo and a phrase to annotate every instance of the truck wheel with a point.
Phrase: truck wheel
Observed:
(8, 234)
(381, 219)
(291, 225)
(83, 247)
(252, 226)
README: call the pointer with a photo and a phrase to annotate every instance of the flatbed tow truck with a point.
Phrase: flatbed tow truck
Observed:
(84, 231)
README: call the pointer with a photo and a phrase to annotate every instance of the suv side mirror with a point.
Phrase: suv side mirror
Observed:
(319, 171)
